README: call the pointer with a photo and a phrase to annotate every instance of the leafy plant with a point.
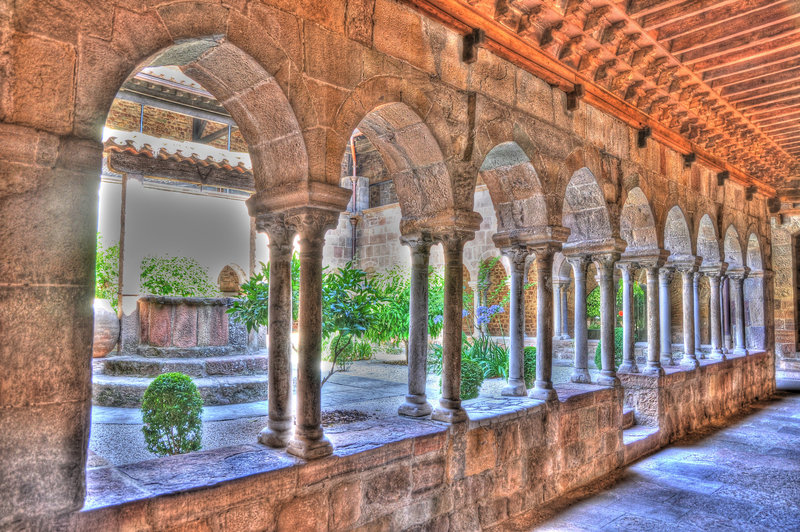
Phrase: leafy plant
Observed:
(106, 272)
(617, 350)
(435, 302)
(492, 357)
(392, 317)
(356, 350)
(471, 378)
(176, 276)
(529, 369)
(171, 411)
(252, 307)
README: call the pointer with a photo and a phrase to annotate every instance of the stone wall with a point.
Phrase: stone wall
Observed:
(785, 313)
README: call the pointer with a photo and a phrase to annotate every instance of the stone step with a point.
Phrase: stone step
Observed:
(125, 391)
(205, 351)
(628, 418)
(137, 366)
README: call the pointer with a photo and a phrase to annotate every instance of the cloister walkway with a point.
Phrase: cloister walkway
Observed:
(745, 476)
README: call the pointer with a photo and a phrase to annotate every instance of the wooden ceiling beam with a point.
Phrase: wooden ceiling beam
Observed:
(762, 83)
(770, 118)
(756, 74)
(780, 128)
(747, 50)
(773, 109)
(767, 101)
(745, 96)
(688, 12)
(685, 24)
(641, 8)
(745, 67)
(764, 36)
(786, 137)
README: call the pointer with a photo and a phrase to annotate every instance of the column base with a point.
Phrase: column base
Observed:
(740, 351)
(655, 370)
(690, 360)
(628, 367)
(449, 411)
(667, 360)
(563, 337)
(274, 437)
(700, 355)
(608, 378)
(716, 354)
(415, 406)
(310, 449)
(544, 392)
(580, 376)
(515, 388)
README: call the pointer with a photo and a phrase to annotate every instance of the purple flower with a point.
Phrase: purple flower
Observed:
(438, 319)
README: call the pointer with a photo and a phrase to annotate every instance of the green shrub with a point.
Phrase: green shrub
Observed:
(617, 350)
(355, 350)
(175, 276)
(106, 272)
(493, 358)
(252, 306)
(471, 378)
(529, 370)
(171, 411)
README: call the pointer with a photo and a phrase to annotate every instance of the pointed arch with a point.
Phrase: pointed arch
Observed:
(637, 224)
(677, 237)
(708, 242)
(584, 210)
(733, 248)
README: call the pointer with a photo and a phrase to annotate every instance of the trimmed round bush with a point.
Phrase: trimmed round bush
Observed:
(529, 369)
(471, 378)
(617, 350)
(171, 411)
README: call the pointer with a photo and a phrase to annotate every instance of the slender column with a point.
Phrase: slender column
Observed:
(605, 268)
(279, 379)
(628, 354)
(309, 441)
(564, 311)
(544, 338)
(416, 403)
(449, 409)
(557, 285)
(721, 305)
(653, 346)
(516, 354)
(698, 351)
(716, 351)
(581, 372)
(738, 299)
(665, 321)
(726, 316)
(689, 357)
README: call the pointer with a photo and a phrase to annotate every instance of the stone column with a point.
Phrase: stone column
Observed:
(689, 358)
(416, 403)
(581, 372)
(564, 311)
(449, 409)
(544, 339)
(516, 356)
(738, 299)
(628, 354)
(726, 314)
(714, 311)
(653, 345)
(605, 268)
(309, 442)
(698, 351)
(665, 320)
(279, 380)
(557, 285)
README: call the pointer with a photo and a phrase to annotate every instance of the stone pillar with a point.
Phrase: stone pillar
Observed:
(665, 320)
(653, 339)
(557, 286)
(416, 403)
(605, 269)
(738, 299)
(449, 409)
(689, 358)
(544, 339)
(279, 392)
(726, 314)
(581, 372)
(714, 311)
(628, 355)
(698, 351)
(565, 311)
(309, 442)
(516, 356)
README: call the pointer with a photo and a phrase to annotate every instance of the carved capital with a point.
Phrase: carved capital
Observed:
(453, 241)
(419, 243)
(604, 262)
(544, 252)
(518, 255)
(579, 265)
(312, 224)
(281, 233)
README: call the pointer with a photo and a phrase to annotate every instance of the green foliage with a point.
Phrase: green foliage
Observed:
(171, 411)
(295, 273)
(435, 302)
(348, 352)
(435, 359)
(493, 358)
(252, 307)
(392, 317)
(529, 370)
(176, 276)
(617, 350)
(106, 272)
(471, 378)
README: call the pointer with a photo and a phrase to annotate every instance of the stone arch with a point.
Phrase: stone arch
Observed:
(561, 268)
(754, 256)
(515, 188)
(754, 300)
(637, 224)
(733, 248)
(230, 278)
(677, 237)
(584, 210)
(412, 157)
(708, 242)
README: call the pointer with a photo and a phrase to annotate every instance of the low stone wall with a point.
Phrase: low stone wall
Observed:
(685, 400)
(513, 455)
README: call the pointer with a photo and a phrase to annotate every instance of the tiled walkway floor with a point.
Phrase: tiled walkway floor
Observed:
(743, 477)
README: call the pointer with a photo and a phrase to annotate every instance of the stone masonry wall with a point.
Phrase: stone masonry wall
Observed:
(784, 263)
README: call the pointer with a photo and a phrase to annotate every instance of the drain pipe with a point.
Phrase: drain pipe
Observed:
(354, 209)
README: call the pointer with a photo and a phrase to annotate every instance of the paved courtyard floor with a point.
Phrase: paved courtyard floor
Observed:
(743, 477)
